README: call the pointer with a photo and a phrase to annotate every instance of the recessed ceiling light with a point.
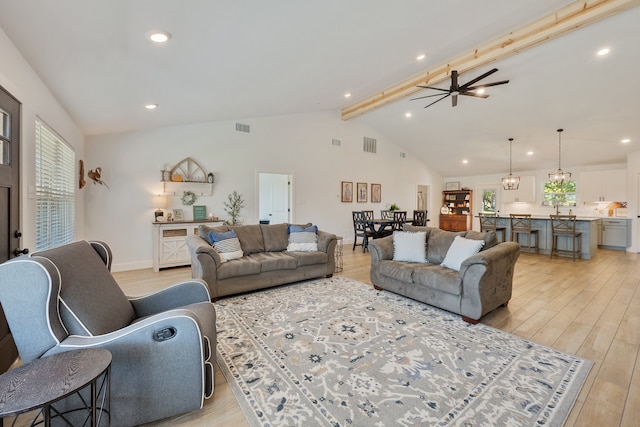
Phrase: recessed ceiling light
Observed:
(151, 106)
(603, 52)
(421, 57)
(480, 91)
(529, 153)
(626, 141)
(158, 36)
(407, 114)
(465, 161)
(347, 95)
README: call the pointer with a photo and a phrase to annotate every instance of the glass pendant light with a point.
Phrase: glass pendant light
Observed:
(559, 176)
(510, 182)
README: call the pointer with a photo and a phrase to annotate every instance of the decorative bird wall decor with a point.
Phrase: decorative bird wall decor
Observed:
(94, 175)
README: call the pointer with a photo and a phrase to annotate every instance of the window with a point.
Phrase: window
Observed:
(489, 200)
(555, 194)
(55, 189)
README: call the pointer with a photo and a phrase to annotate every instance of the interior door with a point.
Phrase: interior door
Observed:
(275, 198)
(9, 205)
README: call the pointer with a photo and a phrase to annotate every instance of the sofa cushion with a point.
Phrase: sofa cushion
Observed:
(303, 239)
(271, 261)
(490, 238)
(226, 244)
(460, 250)
(203, 230)
(244, 266)
(397, 270)
(309, 258)
(250, 237)
(438, 278)
(409, 246)
(275, 237)
(438, 244)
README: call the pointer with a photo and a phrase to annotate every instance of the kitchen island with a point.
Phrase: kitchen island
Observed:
(587, 225)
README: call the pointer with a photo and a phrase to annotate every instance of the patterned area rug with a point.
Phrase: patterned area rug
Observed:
(335, 352)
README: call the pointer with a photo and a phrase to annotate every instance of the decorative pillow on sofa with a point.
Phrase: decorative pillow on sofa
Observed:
(303, 239)
(226, 244)
(460, 250)
(409, 246)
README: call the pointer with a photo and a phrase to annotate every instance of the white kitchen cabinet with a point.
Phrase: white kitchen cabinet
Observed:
(526, 192)
(170, 242)
(603, 186)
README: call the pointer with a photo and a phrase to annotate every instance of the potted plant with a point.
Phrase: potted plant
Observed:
(232, 207)
(394, 207)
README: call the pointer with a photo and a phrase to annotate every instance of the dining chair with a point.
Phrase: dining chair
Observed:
(386, 214)
(399, 218)
(419, 218)
(565, 226)
(521, 224)
(361, 229)
(368, 215)
(489, 222)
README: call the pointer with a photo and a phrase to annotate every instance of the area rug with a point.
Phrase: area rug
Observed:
(336, 352)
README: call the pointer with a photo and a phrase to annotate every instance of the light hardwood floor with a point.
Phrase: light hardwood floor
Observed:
(589, 308)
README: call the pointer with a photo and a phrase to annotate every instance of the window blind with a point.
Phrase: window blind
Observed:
(55, 189)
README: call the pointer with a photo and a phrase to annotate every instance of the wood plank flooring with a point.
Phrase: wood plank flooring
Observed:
(589, 308)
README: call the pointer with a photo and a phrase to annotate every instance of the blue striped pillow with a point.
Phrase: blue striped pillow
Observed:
(226, 244)
(303, 239)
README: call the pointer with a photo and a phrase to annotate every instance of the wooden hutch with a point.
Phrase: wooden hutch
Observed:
(458, 207)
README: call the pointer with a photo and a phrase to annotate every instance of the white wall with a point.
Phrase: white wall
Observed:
(300, 145)
(17, 77)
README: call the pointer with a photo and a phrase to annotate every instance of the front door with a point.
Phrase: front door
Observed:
(9, 205)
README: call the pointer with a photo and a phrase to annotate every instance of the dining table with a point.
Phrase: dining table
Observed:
(381, 227)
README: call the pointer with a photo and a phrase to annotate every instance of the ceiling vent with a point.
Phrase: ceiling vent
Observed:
(243, 128)
(369, 145)
(336, 142)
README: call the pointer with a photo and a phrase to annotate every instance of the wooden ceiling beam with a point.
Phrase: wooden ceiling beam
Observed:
(569, 18)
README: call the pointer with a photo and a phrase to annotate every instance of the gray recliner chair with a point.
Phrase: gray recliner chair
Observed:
(162, 344)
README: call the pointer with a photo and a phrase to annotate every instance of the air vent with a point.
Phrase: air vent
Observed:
(336, 142)
(403, 155)
(369, 145)
(243, 128)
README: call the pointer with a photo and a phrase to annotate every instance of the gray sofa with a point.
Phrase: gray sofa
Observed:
(266, 261)
(483, 283)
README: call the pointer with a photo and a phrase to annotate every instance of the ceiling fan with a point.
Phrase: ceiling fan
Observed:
(466, 89)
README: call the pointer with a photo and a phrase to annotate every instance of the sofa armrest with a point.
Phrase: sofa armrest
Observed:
(327, 243)
(487, 279)
(204, 262)
(177, 295)
(381, 249)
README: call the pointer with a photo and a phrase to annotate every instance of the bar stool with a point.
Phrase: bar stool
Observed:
(521, 224)
(489, 222)
(565, 226)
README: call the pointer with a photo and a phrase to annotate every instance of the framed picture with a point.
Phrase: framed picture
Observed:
(199, 213)
(362, 192)
(452, 185)
(347, 191)
(177, 215)
(376, 193)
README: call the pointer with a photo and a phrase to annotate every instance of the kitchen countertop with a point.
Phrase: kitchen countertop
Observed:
(578, 218)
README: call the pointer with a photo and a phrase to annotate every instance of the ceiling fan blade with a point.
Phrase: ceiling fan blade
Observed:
(477, 95)
(454, 81)
(477, 79)
(502, 82)
(438, 100)
(427, 96)
(432, 87)
(454, 100)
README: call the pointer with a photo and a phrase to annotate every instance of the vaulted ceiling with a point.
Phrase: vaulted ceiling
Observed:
(254, 58)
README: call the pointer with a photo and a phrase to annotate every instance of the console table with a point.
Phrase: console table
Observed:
(42, 382)
(169, 242)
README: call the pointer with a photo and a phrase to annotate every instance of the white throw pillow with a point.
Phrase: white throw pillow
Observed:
(460, 250)
(409, 246)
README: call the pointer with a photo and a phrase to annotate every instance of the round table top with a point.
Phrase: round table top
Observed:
(49, 379)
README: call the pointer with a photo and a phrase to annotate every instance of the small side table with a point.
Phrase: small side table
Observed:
(42, 382)
(338, 255)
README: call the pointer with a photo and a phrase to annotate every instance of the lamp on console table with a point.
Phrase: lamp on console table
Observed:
(160, 202)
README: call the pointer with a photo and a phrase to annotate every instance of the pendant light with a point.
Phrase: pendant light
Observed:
(510, 182)
(559, 176)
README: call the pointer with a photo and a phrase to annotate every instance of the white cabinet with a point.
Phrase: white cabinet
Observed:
(169, 242)
(603, 186)
(526, 192)
(615, 233)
